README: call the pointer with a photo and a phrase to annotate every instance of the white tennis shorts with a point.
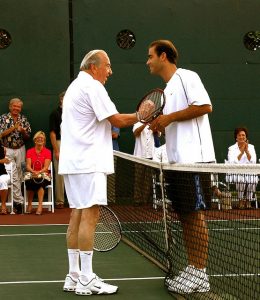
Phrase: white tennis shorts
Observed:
(86, 190)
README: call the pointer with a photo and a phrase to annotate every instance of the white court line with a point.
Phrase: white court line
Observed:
(48, 225)
(61, 281)
(123, 279)
(126, 231)
(32, 234)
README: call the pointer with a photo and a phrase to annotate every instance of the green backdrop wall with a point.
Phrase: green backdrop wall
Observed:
(208, 35)
(35, 66)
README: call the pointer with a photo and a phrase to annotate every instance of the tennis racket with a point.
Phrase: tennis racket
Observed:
(150, 106)
(108, 230)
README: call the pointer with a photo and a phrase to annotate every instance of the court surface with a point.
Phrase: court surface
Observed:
(34, 262)
(34, 265)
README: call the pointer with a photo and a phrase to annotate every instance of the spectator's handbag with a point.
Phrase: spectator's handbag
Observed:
(37, 179)
(27, 176)
(40, 177)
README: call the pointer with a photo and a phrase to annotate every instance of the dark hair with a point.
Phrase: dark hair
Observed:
(62, 94)
(239, 129)
(168, 48)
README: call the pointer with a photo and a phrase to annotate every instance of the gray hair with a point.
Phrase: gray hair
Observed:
(15, 100)
(91, 57)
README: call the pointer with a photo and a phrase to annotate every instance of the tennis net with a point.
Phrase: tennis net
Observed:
(224, 235)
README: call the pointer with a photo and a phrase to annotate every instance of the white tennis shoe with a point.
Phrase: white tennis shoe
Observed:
(95, 286)
(190, 280)
(70, 283)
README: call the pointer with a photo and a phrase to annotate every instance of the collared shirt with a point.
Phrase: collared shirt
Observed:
(44, 154)
(144, 144)
(86, 143)
(15, 139)
(188, 141)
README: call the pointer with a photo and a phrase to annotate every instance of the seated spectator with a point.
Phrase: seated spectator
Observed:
(38, 160)
(4, 179)
(243, 153)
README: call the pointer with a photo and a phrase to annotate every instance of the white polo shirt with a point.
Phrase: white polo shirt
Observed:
(144, 144)
(86, 143)
(187, 141)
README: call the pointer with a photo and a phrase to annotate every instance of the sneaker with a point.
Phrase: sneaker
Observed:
(95, 286)
(190, 280)
(70, 284)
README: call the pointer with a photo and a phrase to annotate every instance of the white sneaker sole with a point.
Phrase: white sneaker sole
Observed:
(89, 292)
(71, 289)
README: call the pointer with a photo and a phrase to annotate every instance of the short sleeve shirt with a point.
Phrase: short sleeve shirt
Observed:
(15, 138)
(187, 141)
(144, 144)
(86, 143)
(41, 156)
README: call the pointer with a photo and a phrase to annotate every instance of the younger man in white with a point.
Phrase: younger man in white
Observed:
(188, 140)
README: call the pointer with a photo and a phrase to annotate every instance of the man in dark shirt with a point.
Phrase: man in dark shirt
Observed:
(55, 121)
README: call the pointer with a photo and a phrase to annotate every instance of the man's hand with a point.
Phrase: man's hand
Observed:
(160, 123)
(5, 160)
(146, 109)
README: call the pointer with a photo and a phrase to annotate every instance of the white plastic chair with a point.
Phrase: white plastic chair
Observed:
(50, 195)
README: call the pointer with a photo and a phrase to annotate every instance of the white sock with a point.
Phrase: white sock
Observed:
(74, 269)
(86, 265)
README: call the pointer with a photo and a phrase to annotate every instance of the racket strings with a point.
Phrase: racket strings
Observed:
(151, 106)
(108, 231)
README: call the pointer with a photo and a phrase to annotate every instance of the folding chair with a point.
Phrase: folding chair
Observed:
(10, 199)
(50, 195)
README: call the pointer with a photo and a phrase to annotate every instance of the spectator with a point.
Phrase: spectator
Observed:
(4, 179)
(115, 137)
(15, 131)
(54, 122)
(144, 148)
(243, 153)
(38, 160)
(144, 141)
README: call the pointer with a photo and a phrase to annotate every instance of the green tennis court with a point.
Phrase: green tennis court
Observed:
(34, 265)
